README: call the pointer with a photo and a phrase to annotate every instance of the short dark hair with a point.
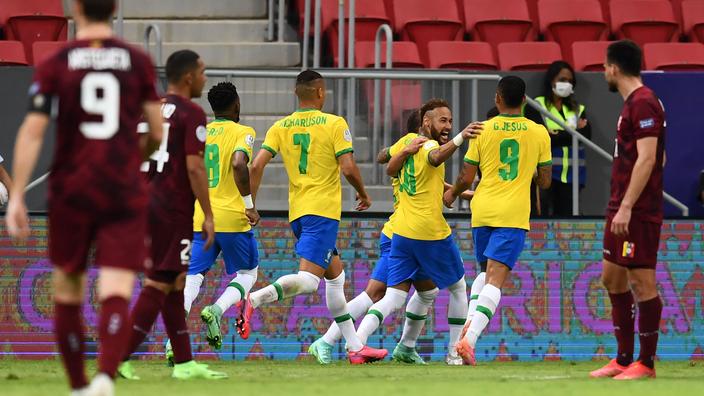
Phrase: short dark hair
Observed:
(98, 10)
(553, 70)
(627, 55)
(222, 96)
(513, 90)
(307, 76)
(180, 63)
(413, 121)
(431, 105)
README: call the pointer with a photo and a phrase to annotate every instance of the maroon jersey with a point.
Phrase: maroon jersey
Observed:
(642, 116)
(171, 196)
(99, 87)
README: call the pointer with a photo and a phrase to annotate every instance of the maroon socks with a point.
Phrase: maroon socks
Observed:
(175, 321)
(623, 317)
(113, 332)
(68, 327)
(143, 317)
(649, 313)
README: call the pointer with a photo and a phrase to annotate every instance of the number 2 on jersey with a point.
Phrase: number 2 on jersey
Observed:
(508, 155)
(303, 140)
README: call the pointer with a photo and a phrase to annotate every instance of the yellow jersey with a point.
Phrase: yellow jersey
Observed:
(310, 142)
(395, 148)
(421, 186)
(223, 140)
(507, 154)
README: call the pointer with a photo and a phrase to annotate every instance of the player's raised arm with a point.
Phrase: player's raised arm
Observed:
(349, 169)
(396, 162)
(439, 156)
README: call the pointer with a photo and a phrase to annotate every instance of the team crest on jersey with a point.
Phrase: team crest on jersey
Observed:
(167, 110)
(348, 135)
(629, 250)
(429, 144)
(201, 133)
(249, 139)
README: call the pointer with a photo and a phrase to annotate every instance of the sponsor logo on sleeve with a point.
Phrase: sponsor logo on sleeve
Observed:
(249, 139)
(348, 135)
(647, 123)
(201, 133)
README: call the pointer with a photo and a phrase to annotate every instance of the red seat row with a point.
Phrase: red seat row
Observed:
(499, 21)
(523, 56)
(31, 21)
(12, 53)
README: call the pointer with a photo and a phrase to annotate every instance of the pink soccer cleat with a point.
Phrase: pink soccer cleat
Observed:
(367, 355)
(243, 324)
(636, 371)
(466, 352)
(611, 369)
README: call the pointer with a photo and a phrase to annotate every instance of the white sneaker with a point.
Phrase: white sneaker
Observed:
(453, 360)
(80, 392)
(102, 385)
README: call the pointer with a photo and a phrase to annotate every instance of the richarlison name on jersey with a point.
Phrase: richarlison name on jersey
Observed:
(303, 122)
(99, 59)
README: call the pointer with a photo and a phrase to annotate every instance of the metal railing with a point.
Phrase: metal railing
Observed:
(578, 137)
(386, 30)
(158, 40)
(274, 13)
(120, 28)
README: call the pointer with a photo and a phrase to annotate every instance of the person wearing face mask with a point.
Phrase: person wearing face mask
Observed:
(558, 98)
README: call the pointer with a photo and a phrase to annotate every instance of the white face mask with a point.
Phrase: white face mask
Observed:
(563, 89)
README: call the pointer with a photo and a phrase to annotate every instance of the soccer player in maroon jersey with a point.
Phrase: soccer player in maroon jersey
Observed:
(100, 87)
(634, 215)
(176, 177)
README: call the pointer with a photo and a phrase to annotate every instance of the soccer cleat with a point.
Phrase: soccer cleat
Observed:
(210, 315)
(126, 371)
(169, 353)
(321, 350)
(243, 324)
(80, 392)
(406, 354)
(636, 370)
(366, 355)
(466, 352)
(453, 360)
(611, 369)
(102, 385)
(194, 370)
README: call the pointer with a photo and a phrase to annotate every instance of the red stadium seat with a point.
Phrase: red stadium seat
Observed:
(533, 10)
(606, 11)
(497, 21)
(405, 54)
(528, 56)
(674, 56)
(12, 54)
(418, 21)
(462, 55)
(370, 14)
(567, 22)
(36, 20)
(693, 19)
(589, 55)
(643, 21)
(44, 49)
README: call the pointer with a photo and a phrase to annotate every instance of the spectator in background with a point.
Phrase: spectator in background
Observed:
(5, 180)
(558, 99)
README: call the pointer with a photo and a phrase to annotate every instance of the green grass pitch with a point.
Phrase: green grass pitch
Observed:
(21, 377)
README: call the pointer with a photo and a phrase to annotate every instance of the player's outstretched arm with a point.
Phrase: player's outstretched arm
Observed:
(439, 156)
(463, 182)
(544, 177)
(199, 184)
(256, 171)
(351, 172)
(241, 171)
(383, 157)
(396, 162)
(150, 142)
(29, 143)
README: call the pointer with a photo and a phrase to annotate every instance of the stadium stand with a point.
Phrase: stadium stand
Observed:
(369, 16)
(461, 55)
(44, 49)
(674, 56)
(30, 21)
(693, 19)
(497, 21)
(528, 56)
(12, 54)
(405, 54)
(643, 21)
(589, 55)
(568, 22)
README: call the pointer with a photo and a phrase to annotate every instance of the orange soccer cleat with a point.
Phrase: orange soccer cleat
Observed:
(635, 371)
(611, 369)
(367, 355)
(243, 322)
(466, 352)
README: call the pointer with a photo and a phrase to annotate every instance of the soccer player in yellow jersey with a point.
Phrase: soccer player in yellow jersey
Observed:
(507, 154)
(315, 146)
(422, 249)
(228, 149)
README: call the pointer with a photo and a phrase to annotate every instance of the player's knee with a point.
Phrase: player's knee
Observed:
(180, 282)
(308, 282)
(428, 296)
(643, 289)
(375, 290)
(458, 287)
(613, 284)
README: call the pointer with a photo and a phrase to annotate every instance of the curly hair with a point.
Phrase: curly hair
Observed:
(431, 105)
(222, 96)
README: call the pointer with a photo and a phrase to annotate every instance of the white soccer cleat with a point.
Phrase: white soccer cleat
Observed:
(453, 360)
(80, 392)
(102, 385)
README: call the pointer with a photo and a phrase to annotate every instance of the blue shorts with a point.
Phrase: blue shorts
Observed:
(239, 251)
(316, 238)
(499, 244)
(381, 268)
(411, 259)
